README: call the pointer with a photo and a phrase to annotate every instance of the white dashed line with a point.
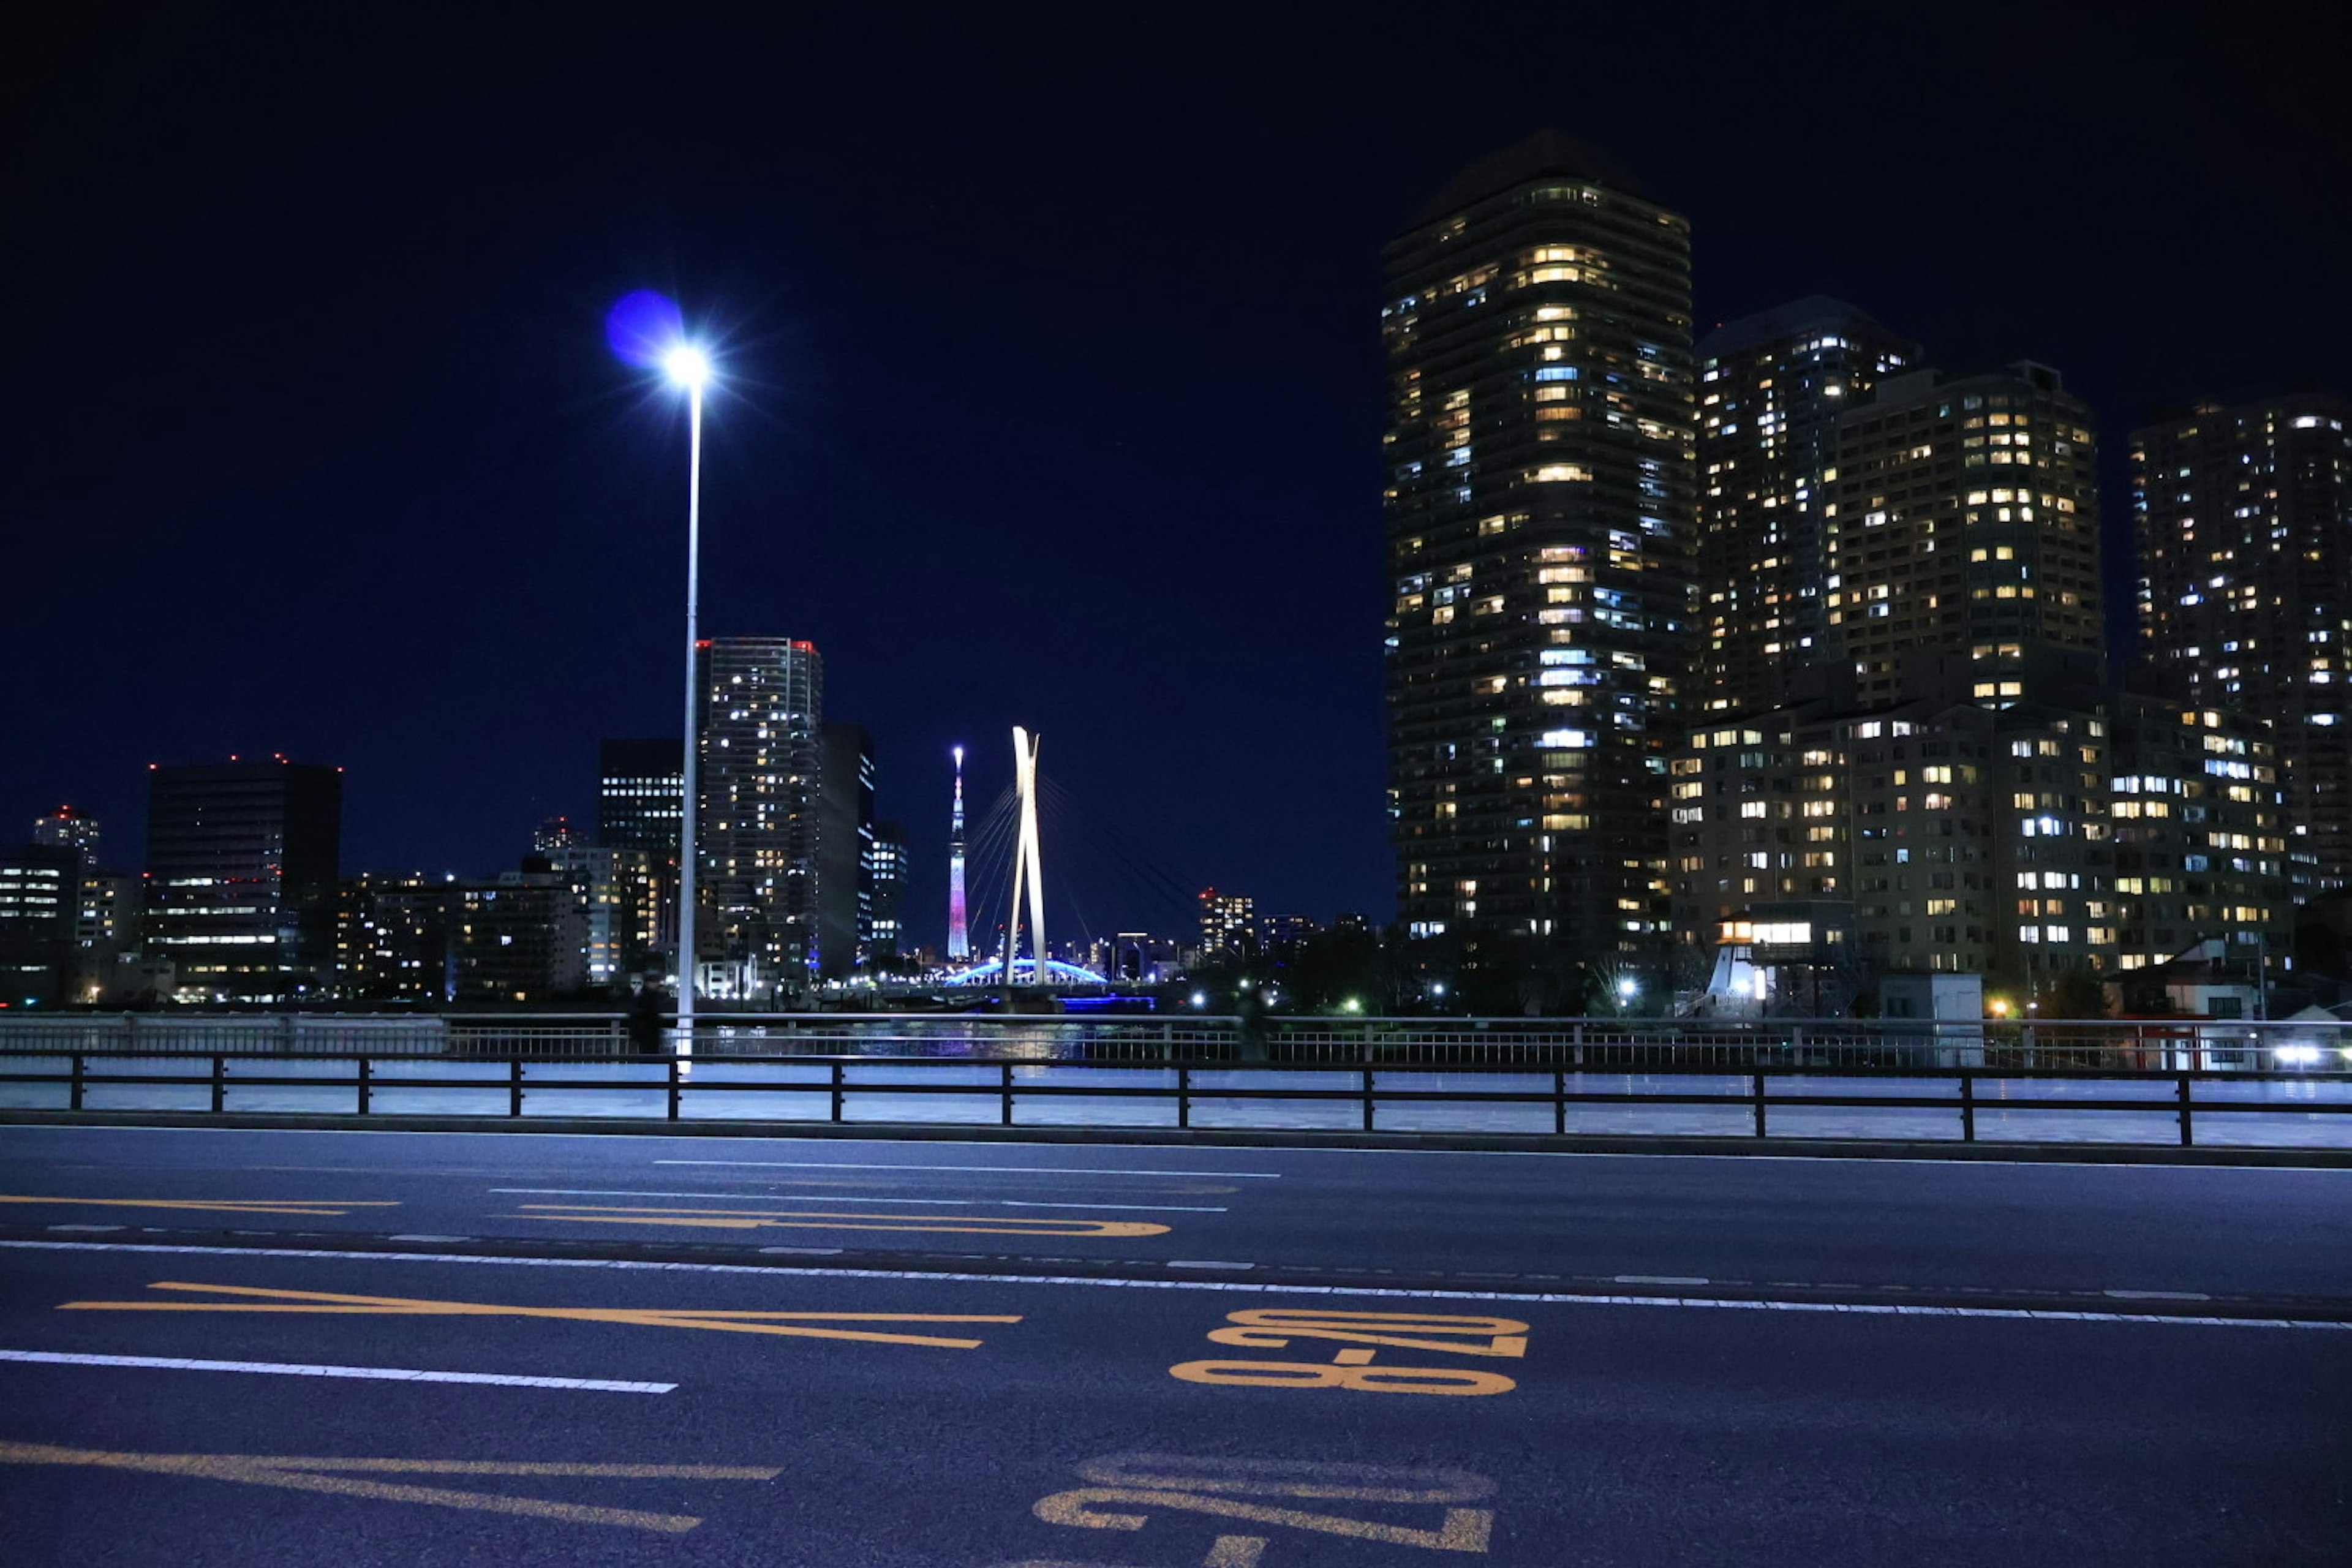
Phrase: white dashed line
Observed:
(829, 1198)
(383, 1373)
(2014, 1314)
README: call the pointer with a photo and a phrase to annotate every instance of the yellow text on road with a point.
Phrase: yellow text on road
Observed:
(821, 1219)
(338, 1477)
(797, 1325)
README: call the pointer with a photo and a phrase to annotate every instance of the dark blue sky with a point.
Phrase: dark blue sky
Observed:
(1053, 389)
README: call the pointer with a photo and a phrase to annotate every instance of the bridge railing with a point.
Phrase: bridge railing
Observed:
(1968, 1102)
(1840, 1044)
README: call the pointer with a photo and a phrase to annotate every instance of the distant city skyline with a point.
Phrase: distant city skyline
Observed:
(291, 473)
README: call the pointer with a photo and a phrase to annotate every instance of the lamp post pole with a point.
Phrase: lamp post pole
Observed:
(685, 838)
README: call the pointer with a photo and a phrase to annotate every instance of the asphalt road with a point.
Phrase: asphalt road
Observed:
(424, 1349)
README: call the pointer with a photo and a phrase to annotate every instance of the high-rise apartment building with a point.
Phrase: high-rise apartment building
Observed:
(1228, 923)
(241, 871)
(758, 774)
(1966, 521)
(1539, 512)
(2245, 603)
(610, 886)
(1771, 389)
(2200, 853)
(845, 878)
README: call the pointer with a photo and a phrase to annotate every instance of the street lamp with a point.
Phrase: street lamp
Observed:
(688, 367)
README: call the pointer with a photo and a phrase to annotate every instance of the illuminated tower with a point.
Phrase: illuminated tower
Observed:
(959, 935)
(1540, 524)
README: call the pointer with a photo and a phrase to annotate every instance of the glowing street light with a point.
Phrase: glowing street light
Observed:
(645, 328)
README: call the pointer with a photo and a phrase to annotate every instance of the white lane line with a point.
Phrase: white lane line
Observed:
(385, 1373)
(828, 1198)
(1989, 1163)
(1553, 1299)
(991, 1170)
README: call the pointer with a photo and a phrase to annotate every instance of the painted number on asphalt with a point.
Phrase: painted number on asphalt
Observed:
(1127, 1490)
(1364, 1334)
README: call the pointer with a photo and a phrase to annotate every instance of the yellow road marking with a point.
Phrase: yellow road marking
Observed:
(741, 1323)
(818, 1219)
(319, 1475)
(311, 1209)
(1462, 1529)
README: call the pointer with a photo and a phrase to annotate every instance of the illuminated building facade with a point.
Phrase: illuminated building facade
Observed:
(241, 873)
(1937, 835)
(1966, 521)
(70, 828)
(760, 724)
(1540, 508)
(2200, 854)
(1228, 923)
(887, 936)
(38, 899)
(1772, 388)
(521, 939)
(610, 886)
(391, 939)
(2245, 525)
(640, 801)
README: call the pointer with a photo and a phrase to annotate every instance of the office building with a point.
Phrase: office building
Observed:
(1771, 389)
(522, 938)
(393, 940)
(757, 777)
(1540, 509)
(888, 936)
(2245, 599)
(845, 878)
(640, 800)
(39, 887)
(241, 873)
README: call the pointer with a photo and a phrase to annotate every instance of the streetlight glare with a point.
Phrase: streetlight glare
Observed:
(687, 366)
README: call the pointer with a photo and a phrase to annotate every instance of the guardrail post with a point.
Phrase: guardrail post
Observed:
(220, 1083)
(836, 1092)
(1005, 1113)
(1560, 1105)
(2187, 1131)
(514, 1086)
(1368, 1099)
(73, 1091)
(1577, 1037)
(1757, 1079)
(1967, 1108)
(1184, 1097)
(674, 1085)
(367, 1089)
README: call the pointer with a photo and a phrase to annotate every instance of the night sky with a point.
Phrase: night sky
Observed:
(1052, 391)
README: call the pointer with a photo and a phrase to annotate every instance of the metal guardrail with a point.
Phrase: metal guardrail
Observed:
(2127, 1045)
(1761, 1090)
